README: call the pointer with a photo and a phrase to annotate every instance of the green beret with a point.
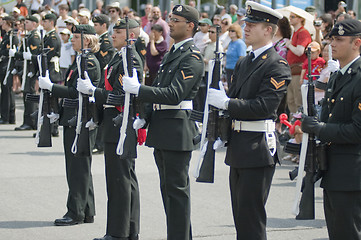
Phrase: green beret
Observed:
(347, 27)
(101, 19)
(188, 12)
(85, 28)
(9, 18)
(32, 18)
(121, 24)
(50, 16)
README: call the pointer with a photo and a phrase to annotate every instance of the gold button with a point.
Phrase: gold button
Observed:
(328, 99)
(333, 100)
(341, 98)
(330, 115)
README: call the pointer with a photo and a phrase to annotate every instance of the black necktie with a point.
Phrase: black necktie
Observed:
(249, 57)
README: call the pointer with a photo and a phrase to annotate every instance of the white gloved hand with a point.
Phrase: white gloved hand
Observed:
(12, 52)
(30, 74)
(218, 98)
(138, 123)
(333, 65)
(53, 117)
(131, 84)
(91, 125)
(85, 86)
(218, 144)
(14, 71)
(27, 55)
(44, 82)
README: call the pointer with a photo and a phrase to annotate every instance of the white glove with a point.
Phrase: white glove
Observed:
(53, 117)
(85, 86)
(131, 84)
(218, 98)
(30, 74)
(12, 52)
(138, 123)
(91, 125)
(333, 65)
(27, 55)
(44, 82)
(14, 71)
(218, 144)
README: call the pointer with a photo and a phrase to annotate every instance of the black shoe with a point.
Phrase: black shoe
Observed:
(97, 151)
(3, 122)
(66, 221)
(89, 219)
(24, 127)
(55, 134)
(107, 237)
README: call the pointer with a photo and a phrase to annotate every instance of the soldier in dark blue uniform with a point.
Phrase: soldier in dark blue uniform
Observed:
(122, 183)
(7, 94)
(340, 128)
(80, 201)
(170, 131)
(258, 86)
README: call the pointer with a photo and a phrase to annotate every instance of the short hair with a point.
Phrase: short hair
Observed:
(273, 26)
(237, 28)
(157, 28)
(354, 38)
(285, 27)
(64, 6)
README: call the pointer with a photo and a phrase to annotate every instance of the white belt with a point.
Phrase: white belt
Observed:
(184, 105)
(108, 106)
(267, 126)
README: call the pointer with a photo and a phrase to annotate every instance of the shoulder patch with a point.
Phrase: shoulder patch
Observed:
(33, 47)
(103, 53)
(276, 84)
(120, 79)
(143, 52)
(196, 51)
(194, 55)
(184, 76)
(283, 61)
(359, 106)
(264, 56)
(91, 63)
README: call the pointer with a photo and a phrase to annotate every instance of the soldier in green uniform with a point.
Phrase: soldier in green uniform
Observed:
(80, 201)
(104, 55)
(122, 184)
(258, 86)
(29, 53)
(340, 128)
(7, 94)
(170, 131)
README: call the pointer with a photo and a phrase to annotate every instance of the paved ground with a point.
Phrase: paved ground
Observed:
(33, 193)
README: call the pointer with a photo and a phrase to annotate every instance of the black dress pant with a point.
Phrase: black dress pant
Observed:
(249, 193)
(173, 169)
(7, 99)
(123, 195)
(29, 107)
(343, 214)
(80, 201)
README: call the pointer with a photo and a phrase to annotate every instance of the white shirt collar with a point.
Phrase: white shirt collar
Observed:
(103, 33)
(178, 45)
(260, 50)
(344, 69)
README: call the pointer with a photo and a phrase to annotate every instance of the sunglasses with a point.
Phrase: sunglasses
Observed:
(211, 31)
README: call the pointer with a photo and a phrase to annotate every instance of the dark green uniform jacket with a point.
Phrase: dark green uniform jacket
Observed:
(4, 51)
(104, 55)
(178, 80)
(53, 42)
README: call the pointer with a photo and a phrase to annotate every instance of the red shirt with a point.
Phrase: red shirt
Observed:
(300, 37)
(316, 66)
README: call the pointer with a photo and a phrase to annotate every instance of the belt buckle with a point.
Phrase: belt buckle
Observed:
(236, 125)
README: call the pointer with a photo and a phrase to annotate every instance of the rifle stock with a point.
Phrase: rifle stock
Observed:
(44, 133)
(307, 202)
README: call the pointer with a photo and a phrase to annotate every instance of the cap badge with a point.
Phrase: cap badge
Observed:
(340, 30)
(249, 10)
(179, 9)
(264, 56)
(349, 71)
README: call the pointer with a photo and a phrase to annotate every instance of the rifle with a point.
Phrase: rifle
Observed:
(204, 170)
(25, 66)
(82, 132)
(128, 71)
(10, 58)
(305, 208)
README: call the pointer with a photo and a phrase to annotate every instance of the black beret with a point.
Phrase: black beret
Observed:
(348, 27)
(188, 12)
(32, 18)
(85, 28)
(50, 16)
(101, 18)
(9, 18)
(121, 24)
